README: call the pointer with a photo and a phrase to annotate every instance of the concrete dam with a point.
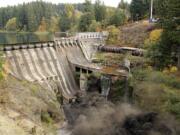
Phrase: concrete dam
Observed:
(53, 64)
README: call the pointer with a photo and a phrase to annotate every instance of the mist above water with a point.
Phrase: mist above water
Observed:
(95, 116)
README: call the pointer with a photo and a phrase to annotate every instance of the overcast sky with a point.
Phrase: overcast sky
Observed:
(4, 3)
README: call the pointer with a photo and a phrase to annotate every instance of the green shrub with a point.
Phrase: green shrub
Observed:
(34, 88)
(119, 89)
(157, 77)
(173, 82)
(118, 18)
(119, 85)
(175, 109)
(168, 80)
(174, 99)
(113, 34)
(85, 21)
(164, 52)
(150, 96)
(95, 26)
(174, 105)
(158, 91)
(140, 75)
(45, 117)
(154, 37)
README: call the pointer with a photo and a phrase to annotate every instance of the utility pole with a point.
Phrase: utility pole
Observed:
(151, 14)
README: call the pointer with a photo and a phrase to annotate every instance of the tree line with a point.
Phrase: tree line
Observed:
(44, 16)
(32, 16)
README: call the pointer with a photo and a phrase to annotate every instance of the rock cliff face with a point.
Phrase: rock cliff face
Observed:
(27, 108)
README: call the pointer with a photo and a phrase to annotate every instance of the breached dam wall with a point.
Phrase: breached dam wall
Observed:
(51, 63)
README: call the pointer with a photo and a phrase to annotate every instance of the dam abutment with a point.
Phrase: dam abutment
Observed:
(55, 60)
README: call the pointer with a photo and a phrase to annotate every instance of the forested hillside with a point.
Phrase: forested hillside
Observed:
(43, 16)
(144, 97)
(34, 15)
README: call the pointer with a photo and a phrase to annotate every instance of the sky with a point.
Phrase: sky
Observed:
(4, 3)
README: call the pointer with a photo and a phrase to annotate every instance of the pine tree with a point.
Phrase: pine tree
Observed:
(68, 18)
(88, 6)
(22, 18)
(123, 5)
(118, 18)
(88, 16)
(139, 9)
(167, 51)
(85, 21)
(100, 11)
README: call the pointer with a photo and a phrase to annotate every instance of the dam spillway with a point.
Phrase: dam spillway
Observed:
(51, 64)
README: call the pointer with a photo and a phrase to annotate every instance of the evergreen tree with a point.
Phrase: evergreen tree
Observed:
(2, 18)
(100, 11)
(85, 21)
(88, 6)
(68, 18)
(123, 5)
(33, 22)
(118, 18)
(22, 18)
(168, 49)
(95, 26)
(64, 24)
(87, 18)
(139, 9)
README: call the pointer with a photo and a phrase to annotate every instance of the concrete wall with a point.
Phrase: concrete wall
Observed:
(51, 63)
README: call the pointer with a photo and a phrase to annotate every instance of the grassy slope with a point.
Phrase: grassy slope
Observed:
(27, 106)
(157, 91)
(133, 34)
